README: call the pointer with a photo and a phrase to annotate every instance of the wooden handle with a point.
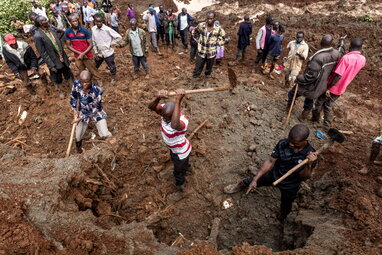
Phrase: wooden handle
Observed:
(290, 172)
(291, 106)
(195, 91)
(71, 139)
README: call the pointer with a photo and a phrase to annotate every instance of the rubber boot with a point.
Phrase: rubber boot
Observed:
(327, 119)
(304, 115)
(315, 116)
(79, 146)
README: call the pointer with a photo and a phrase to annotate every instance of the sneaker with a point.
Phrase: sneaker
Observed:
(233, 188)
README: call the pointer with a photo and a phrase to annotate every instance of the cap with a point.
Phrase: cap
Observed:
(10, 39)
(151, 9)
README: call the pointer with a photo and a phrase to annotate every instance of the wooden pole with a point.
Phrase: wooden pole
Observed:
(71, 139)
(291, 106)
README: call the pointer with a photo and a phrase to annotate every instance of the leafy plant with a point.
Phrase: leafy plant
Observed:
(367, 18)
(15, 8)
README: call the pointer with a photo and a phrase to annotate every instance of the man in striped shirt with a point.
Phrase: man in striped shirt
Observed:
(174, 128)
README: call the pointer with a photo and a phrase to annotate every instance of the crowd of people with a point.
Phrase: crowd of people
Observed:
(89, 32)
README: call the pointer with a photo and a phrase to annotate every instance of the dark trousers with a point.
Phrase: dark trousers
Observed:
(137, 61)
(183, 35)
(241, 53)
(199, 65)
(116, 29)
(193, 50)
(56, 77)
(324, 103)
(168, 41)
(308, 103)
(180, 168)
(160, 34)
(109, 61)
(261, 56)
(287, 195)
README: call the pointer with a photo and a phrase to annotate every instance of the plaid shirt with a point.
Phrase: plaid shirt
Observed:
(207, 44)
(90, 105)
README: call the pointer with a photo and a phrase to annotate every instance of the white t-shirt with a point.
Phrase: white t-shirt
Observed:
(183, 22)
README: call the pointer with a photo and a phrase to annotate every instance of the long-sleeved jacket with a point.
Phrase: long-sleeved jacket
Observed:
(260, 38)
(189, 20)
(208, 42)
(14, 63)
(244, 33)
(142, 37)
(47, 50)
(312, 83)
(170, 19)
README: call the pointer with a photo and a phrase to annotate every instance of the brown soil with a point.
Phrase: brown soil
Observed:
(51, 205)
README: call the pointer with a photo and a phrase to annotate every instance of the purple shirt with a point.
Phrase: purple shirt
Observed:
(130, 13)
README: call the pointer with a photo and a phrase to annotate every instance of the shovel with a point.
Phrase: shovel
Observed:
(232, 80)
(334, 135)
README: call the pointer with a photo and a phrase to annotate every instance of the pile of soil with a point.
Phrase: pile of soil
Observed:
(119, 198)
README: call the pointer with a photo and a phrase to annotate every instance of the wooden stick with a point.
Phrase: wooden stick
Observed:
(305, 161)
(71, 140)
(195, 91)
(110, 182)
(197, 129)
(291, 106)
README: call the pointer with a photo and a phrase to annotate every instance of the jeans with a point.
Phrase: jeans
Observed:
(308, 103)
(101, 125)
(154, 43)
(261, 56)
(325, 103)
(180, 168)
(287, 195)
(137, 61)
(183, 35)
(199, 65)
(109, 61)
(116, 29)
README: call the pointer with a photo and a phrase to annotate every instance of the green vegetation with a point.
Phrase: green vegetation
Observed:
(367, 18)
(15, 8)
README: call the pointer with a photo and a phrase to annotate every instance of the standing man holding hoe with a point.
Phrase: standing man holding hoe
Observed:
(174, 128)
(287, 154)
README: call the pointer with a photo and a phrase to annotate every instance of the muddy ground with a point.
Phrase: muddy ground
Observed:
(119, 198)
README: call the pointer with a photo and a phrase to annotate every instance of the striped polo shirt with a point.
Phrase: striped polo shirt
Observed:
(79, 40)
(176, 140)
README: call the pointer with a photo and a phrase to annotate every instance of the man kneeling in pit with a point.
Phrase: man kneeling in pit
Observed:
(89, 98)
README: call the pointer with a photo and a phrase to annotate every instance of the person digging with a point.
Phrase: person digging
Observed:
(374, 152)
(89, 98)
(174, 128)
(288, 153)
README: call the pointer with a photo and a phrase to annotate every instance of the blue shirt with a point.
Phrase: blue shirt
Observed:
(275, 45)
(286, 160)
(90, 105)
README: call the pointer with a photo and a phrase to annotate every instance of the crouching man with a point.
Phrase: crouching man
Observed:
(20, 58)
(89, 98)
(287, 154)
